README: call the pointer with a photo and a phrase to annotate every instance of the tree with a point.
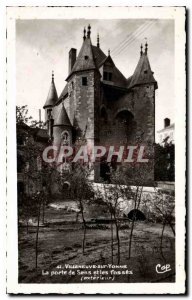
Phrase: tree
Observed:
(129, 183)
(163, 206)
(22, 115)
(80, 190)
(111, 195)
(165, 162)
(37, 173)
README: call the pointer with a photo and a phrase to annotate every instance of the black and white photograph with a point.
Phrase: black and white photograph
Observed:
(97, 192)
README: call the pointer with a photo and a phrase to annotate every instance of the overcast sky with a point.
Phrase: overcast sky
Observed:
(43, 46)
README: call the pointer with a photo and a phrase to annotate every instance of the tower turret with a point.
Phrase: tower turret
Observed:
(52, 98)
(62, 128)
(143, 73)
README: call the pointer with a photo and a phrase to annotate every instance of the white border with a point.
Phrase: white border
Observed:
(176, 13)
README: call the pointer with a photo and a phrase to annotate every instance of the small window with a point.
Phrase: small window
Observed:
(84, 80)
(110, 76)
(72, 85)
(86, 57)
(105, 76)
(145, 71)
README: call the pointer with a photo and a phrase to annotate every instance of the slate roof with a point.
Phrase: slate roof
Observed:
(118, 78)
(99, 56)
(63, 118)
(85, 59)
(143, 73)
(52, 97)
(64, 92)
(172, 126)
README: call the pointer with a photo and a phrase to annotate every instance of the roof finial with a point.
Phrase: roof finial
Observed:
(141, 52)
(109, 52)
(52, 76)
(89, 31)
(146, 46)
(84, 34)
(98, 45)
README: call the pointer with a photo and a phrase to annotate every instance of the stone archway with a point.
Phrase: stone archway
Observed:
(124, 121)
(137, 215)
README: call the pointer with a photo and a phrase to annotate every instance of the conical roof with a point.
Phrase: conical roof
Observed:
(63, 118)
(85, 59)
(52, 97)
(143, 73)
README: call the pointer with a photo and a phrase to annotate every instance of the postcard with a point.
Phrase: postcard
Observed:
(96, 121)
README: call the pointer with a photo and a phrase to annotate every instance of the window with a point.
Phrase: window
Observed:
(65, 137)
(72, 85)
(86, 57)
(84, 80)
(107, 76)
(110, 76)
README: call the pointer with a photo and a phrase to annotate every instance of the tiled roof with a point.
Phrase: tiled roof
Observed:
(143, 73)
(85, 59)
(172, 126)
(99, 56)
(118, 78)
(63, 118)
(42, 133)
(52, 96)
(129, 80)
(64, 92)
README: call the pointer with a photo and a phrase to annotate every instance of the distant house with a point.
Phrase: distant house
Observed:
(167, 134)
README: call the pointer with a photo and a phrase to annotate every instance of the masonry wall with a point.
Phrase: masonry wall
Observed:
(144, 112)
(140, 102)
(81, 108)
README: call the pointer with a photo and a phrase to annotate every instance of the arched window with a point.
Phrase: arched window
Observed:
(124, 121)
(65, 138)
(125, 117)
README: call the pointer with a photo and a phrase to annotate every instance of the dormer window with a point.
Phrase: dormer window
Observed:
(110, 76)
(86, 57)
(107, 76)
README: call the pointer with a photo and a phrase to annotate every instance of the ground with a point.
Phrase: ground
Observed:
(60, 243)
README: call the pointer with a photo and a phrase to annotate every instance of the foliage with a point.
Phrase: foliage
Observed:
(22, 117)
(80, 189)
(164, 162)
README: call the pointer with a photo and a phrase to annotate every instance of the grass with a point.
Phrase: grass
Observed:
(61, 242)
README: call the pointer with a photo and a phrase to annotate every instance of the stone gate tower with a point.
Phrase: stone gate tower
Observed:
(99, 105)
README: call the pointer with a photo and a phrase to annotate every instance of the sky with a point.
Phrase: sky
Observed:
(43, 46)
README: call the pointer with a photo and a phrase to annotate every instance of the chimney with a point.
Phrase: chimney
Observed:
(166, 122)
(72, 58)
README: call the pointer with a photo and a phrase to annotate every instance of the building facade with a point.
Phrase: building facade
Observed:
(99, 105)
(167, 134)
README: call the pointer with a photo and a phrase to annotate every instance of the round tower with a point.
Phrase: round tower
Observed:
(62, 129)
(52, 98)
